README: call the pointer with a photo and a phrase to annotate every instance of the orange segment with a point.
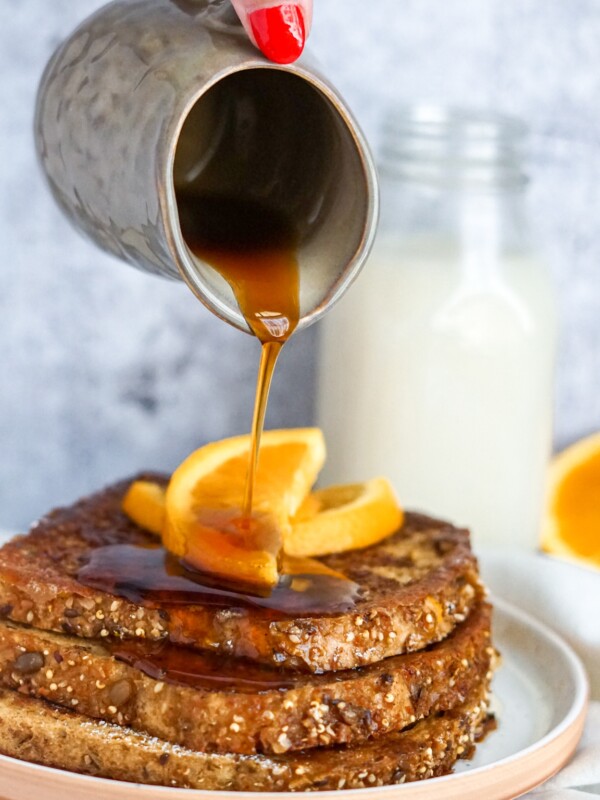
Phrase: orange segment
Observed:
(205, 496)
(144, 503)
(240, 551)
(348, 517)
(571, 525)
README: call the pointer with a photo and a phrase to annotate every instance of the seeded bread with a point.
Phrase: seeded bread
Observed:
(261, 710)
(415, 588)
(36, 731)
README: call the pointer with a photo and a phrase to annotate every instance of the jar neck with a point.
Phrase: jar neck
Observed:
(454, 150)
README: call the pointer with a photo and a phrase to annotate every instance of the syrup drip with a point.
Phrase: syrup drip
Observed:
(171, 663)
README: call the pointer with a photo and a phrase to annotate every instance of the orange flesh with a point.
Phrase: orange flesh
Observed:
(227, 545)
(577, 507)
(344, 495)
(223, 538)
(217, 490)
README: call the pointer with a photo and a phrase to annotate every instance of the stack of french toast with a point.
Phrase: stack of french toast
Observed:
(100, 675)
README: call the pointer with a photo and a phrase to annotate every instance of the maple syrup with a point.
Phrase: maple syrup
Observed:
(254, 247)
(154, 577)
(181, 666)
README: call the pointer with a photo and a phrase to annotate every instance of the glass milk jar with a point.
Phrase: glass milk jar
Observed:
(437, 368)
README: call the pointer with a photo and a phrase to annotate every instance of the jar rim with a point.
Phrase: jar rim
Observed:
(454, 145)
(431, 120)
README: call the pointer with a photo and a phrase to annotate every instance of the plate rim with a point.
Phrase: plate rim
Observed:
(573, 720)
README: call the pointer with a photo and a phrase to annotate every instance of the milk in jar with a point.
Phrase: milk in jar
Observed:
(436, 370)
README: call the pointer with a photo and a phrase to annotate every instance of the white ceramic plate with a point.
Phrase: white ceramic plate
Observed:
(540, 697)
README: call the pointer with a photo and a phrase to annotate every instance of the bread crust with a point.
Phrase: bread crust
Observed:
(33, 730)
(416, 587)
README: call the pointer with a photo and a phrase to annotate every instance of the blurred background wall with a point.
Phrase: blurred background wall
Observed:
(104, 370)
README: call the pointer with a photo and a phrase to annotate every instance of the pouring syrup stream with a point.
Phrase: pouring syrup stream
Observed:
(253, 247)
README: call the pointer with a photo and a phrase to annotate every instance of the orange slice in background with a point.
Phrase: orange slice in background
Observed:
(571, 524)
(342, 518)
(204, 521)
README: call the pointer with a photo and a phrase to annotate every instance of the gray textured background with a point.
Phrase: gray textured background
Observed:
(104, 370)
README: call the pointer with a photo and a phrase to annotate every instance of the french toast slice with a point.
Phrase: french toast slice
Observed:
(36, 731)
(413, 589)
(205, 702)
